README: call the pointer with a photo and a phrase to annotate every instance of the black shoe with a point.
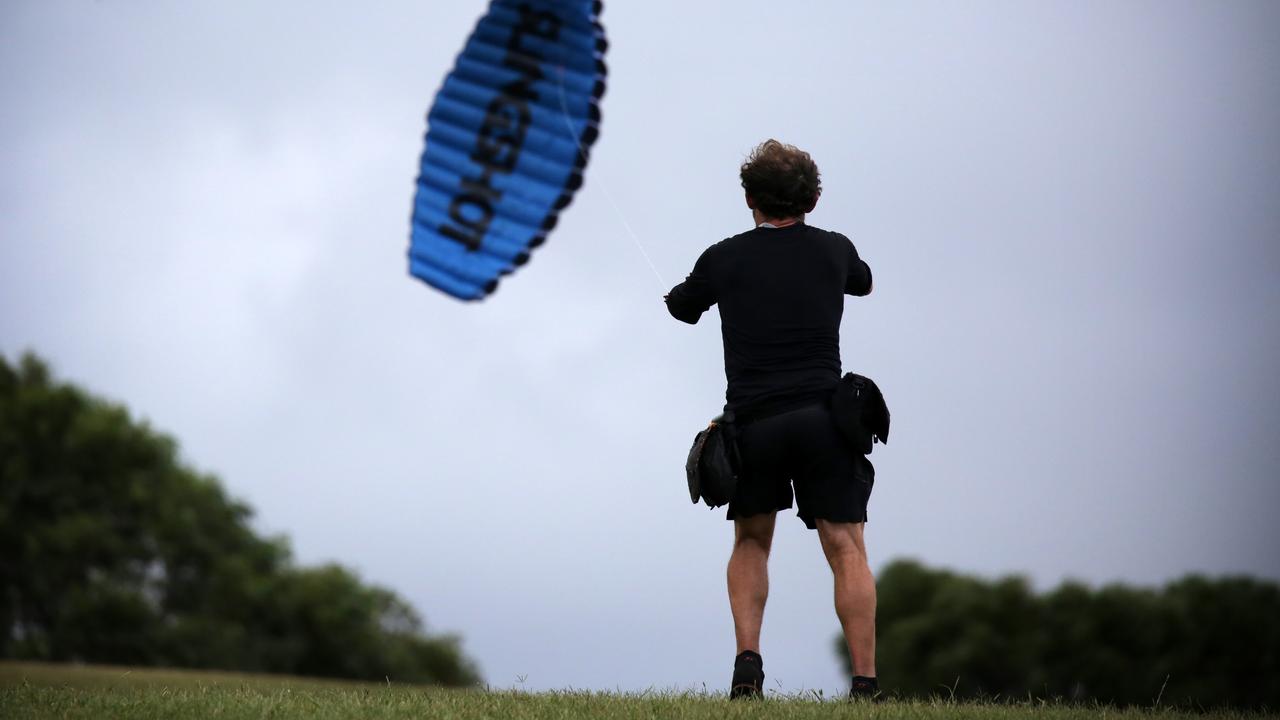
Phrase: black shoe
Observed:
(748, 677)
(865, 689)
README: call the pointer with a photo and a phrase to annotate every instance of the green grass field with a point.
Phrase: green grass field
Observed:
(33, 690)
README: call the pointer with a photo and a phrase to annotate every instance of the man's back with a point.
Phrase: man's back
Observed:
(781, 296)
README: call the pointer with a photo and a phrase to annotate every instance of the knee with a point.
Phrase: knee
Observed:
(750, 542)
(844, 547)
(846, 553)
(753, 534)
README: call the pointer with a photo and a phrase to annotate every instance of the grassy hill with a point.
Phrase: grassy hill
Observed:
(33, 690)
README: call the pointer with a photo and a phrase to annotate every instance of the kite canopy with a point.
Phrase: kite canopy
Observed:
(507, 140)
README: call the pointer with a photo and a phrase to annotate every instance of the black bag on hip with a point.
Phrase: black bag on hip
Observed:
(712, 466)
(860, 413)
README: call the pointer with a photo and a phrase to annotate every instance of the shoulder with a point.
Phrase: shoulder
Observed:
(837, 242)
(830, 235)
(725, 246)
(739, 239)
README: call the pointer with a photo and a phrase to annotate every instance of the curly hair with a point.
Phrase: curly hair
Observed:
(782, 180)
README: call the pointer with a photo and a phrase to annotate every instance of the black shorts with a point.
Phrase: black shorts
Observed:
(803, 446)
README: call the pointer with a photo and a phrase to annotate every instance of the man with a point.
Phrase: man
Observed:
(781, 288)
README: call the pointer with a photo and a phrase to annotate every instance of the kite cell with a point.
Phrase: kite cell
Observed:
(507, 140)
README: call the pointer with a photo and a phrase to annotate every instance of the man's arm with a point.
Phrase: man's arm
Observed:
(859, 280)
(687, 301)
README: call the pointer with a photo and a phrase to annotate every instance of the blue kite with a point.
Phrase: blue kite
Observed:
(507, 141)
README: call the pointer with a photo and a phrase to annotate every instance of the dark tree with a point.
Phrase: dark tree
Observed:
(112, 550)
(1196, 642)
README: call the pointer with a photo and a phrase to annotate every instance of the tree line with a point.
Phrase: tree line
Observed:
(114, 551)
(1196, 642)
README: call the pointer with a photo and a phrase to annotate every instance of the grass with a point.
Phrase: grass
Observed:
(35, 690)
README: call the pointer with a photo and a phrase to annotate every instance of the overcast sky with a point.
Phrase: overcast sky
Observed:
(1072, 210)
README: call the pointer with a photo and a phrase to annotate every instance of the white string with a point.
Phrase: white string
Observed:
(564, 109)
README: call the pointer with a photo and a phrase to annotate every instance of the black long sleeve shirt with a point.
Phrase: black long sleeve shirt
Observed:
(781, 295)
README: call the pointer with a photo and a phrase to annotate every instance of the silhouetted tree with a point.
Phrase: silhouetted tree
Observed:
(1196, 642)
(112, 550)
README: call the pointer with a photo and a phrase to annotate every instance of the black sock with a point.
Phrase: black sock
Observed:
(862, 684)
(748, 676)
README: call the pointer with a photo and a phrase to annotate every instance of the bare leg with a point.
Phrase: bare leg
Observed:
(855, 591)
(749, 577)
